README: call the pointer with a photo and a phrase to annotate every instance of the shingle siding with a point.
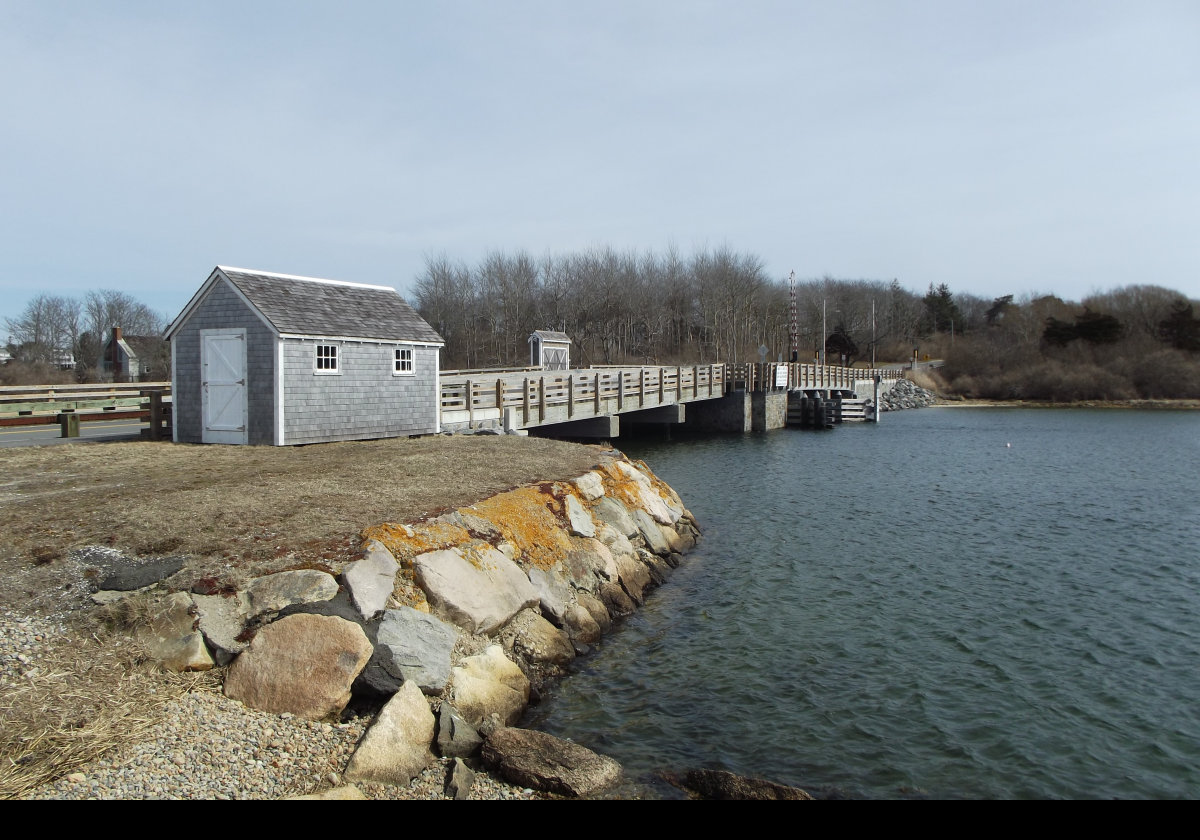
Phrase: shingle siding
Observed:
(364, 400)
(221, 308)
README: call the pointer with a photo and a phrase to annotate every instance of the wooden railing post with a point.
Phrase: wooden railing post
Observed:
(620, 390)
(570, 394)
(525, 400)
(470, 396)
(541, 399)
(597, 395)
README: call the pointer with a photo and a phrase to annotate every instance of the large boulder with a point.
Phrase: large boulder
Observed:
(478, 596)
(222, 620)
(542, 762)
(416, 647)
(578, 519)
(490, 683)
(170, 636)
(645, 496)
(371, 579)
(541, 643)
(590, 485)
(271, 593)
(553, 590)
(396, 747)
(302, 664)
(614, 512)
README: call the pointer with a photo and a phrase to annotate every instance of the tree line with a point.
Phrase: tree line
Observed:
(633, 307)
(58, 338)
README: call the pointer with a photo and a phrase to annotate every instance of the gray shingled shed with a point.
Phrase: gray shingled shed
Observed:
(264, 358)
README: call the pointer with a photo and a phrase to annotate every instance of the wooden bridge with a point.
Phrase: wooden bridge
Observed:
(587, 402)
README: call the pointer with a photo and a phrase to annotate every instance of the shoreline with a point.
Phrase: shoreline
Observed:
(1141, 405)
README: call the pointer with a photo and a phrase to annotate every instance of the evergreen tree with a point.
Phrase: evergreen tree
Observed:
(1181, 329)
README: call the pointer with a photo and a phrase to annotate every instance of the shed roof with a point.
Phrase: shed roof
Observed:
(548, 335)
(312, 306)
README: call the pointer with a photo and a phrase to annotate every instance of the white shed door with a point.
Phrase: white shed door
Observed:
(223, 385)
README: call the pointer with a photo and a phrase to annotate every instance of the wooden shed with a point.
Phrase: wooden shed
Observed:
(265, 358)
(549, 350)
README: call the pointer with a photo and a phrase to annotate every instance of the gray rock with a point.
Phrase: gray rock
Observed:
(455, 737)
(541, 643)
(580, 625)
(222, 620)
(634, 577)
(578, 519)
(651, 532)
(396, 747)
(590, 562)
(170, 637)
(272, 593)
(126, 575)
(616, 599)
(552, 589)
(543, 762)
(479, 597)
(371, 579)
(460, 780)
(415, 646)
(596, 609)
(614, 512)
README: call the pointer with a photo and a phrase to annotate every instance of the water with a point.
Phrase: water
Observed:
(979, 603)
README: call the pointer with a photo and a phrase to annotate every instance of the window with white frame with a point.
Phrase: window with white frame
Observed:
(403, 364)
(326, 359)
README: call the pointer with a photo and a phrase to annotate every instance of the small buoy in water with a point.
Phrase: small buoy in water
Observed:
(1009, 445)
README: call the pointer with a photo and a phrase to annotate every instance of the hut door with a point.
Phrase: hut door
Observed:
(223, 385)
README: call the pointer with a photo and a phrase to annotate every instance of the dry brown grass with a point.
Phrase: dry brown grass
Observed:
(248, 509)
(90, 695)
(236, 512)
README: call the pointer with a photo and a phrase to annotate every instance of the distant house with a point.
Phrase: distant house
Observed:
(549, 350)
(133, 358)
(264, 358)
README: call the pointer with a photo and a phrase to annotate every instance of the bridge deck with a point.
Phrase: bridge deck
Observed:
(524, 398)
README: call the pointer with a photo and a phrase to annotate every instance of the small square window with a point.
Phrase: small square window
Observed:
(327, 358)
(403, 364)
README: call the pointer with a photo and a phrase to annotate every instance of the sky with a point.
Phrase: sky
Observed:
(997, 147)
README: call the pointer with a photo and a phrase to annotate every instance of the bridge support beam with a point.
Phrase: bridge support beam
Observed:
(672, 413)
(730, 413)
(605, 428)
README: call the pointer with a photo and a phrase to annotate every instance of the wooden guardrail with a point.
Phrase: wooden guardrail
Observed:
(769, 376)
(588, 392)
(10, 394)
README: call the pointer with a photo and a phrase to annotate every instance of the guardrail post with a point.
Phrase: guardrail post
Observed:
(70, 424)
(597, 395)
(620, 390)
(525, 401)
(641, 387)
(570, 394)
(542, 399)
(470, 394)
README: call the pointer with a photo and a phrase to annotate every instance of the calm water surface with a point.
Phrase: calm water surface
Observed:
(993, 603)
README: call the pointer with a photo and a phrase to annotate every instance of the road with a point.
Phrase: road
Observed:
(89, 432)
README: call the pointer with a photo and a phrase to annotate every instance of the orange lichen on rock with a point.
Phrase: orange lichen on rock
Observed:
(528, 518)
(622, 487)
(408, 541)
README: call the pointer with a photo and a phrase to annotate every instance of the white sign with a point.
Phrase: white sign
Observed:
(781, 376)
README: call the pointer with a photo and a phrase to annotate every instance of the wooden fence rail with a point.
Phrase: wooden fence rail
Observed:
(588, 392)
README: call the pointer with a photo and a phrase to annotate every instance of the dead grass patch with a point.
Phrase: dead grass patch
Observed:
(90, 696)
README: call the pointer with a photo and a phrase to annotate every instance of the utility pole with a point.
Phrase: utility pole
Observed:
(793, 330)
(823, 334)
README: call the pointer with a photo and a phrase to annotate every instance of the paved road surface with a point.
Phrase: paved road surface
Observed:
(89, 432)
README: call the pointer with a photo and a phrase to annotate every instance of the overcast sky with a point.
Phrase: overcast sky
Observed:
(998, 147)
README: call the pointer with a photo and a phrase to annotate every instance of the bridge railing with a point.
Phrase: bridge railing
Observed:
(769, 376)
(587, 392)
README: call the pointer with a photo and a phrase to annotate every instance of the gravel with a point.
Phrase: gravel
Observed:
(206, 746)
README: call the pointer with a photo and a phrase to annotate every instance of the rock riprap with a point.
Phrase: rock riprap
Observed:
(462, 618)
